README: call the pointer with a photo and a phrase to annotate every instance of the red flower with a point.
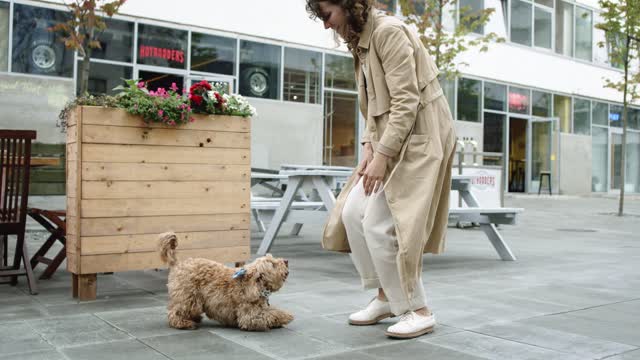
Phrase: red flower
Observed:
(197, 99)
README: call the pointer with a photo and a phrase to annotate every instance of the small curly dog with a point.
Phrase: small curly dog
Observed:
(233, 297)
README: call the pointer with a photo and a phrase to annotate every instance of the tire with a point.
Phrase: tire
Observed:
(45, 57)
(255, 82)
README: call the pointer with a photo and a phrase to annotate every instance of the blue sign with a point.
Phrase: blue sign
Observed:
(614, 116)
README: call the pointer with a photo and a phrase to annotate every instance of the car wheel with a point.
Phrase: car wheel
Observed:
(44, 57)
(256, 82)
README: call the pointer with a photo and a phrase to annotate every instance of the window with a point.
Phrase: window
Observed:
(161, 46)
(302, 75)
(542, 26)
(338, 72)
(449, 89)
(564, 28)
(35, 49)
(582, 117)
(104, 77)
(600, 114)
(599, 161)
(4, 36)
(116, 42)
(469, 92)
(634, 119)
(213, 54)
(340, 129)
(493, 128)
(600, 54)
(495, 96)
(521, 22)
(386, 5)
(615, 115)
(584, 36)
(260, 70)
(472, 10)
(531, 23)
(562, 110)
(519, 100)
(541, 104)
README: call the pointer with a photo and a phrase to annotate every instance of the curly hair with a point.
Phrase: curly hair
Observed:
(356, 11)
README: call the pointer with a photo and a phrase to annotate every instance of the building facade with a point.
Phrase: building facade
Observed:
(537, 99)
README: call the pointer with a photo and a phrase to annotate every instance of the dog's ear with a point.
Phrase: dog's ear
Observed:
(253, 280)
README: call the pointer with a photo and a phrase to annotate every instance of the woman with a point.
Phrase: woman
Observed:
(395, 205)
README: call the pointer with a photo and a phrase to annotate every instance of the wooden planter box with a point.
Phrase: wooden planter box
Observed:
(128, 181)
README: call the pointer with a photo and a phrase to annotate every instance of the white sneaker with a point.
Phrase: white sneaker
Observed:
(376, 310)
(412, 325)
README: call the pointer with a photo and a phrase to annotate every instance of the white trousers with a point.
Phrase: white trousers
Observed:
(374, 247)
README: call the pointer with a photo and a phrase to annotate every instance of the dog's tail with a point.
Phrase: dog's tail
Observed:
(167, 243)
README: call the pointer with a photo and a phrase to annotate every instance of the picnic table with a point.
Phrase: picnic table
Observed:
(283, 208)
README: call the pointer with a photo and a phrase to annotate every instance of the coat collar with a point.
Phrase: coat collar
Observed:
(365, 36)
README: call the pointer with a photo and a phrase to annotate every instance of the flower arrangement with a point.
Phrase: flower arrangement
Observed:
(168, 106)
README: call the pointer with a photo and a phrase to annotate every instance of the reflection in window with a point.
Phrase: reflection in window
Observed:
(542, 25)
(340, 113)
(4, 36)
(104, 77)
(634, 119)
(521, 22)
(469, 99)
(584, 37)
(35, 49)
(564, 28)
(519, 100)
(386, 5)
(562, 110)
(116, 42)
(339, 73)
(599, 161)
(474, 10)
(213, 54)
(302, 75)
(615, 115)
(493, 137)
(582, 116)
(541, 104)
(160, 46)
(600, 114)
(260, 70)
(495, 96)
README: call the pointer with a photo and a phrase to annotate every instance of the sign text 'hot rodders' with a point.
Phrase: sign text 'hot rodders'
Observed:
(162, 53)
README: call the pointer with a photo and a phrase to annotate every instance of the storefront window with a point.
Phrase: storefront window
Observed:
(600, 114)
(469, 92)
(104, 77)
(519, 100)
(634, 119)
(473, 12)
(542, 26)
(35, 49)
(584, 36)
(493, 137)
(495, 96)
(160, 46)
(521, 22)
(302, 75)
(213, 54)
(599, 162)
(116, 42)
(632, 172)
(562, 110)
(615, 115)
(4, 36)
(564, 28)
(541, 104)
(582, 116)
(449, 89)
(260, 70)
(339, 72)
(386, 5)
(340, 134)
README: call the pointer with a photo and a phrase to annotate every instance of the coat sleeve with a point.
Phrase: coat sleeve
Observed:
(397, 57)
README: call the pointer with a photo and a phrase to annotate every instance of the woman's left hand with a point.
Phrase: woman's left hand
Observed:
(374, 174)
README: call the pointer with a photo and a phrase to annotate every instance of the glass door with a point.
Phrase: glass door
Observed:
(540, 150)
(517, 152)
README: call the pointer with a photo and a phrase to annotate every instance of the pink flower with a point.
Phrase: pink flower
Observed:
(174, 87)
(160, 113)
(192, 119)
(141, 85)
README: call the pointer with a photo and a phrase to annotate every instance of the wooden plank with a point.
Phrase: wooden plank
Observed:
(95, 245)
(72, 152)
(209, 190)
(94, 115)
(87, 287)
(159, 224)
(98, 134)
(163, 154)
(72, 134)
(159, 207)
(162, 171)
(72, 178)
(72, 244)
(73, 265)
(72, 206)
(150, 260)
(73, 117)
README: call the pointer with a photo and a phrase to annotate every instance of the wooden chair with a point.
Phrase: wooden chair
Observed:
(15, 161)
(54, 222)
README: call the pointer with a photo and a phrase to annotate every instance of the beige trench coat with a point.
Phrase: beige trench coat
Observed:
(408, 119)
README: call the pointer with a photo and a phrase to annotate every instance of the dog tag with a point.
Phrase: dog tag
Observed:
(239, 273)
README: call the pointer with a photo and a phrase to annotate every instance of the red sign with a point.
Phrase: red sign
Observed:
(161, 53)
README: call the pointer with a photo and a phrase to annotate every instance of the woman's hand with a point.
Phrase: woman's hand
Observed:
(367, 156)
(374, 174)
